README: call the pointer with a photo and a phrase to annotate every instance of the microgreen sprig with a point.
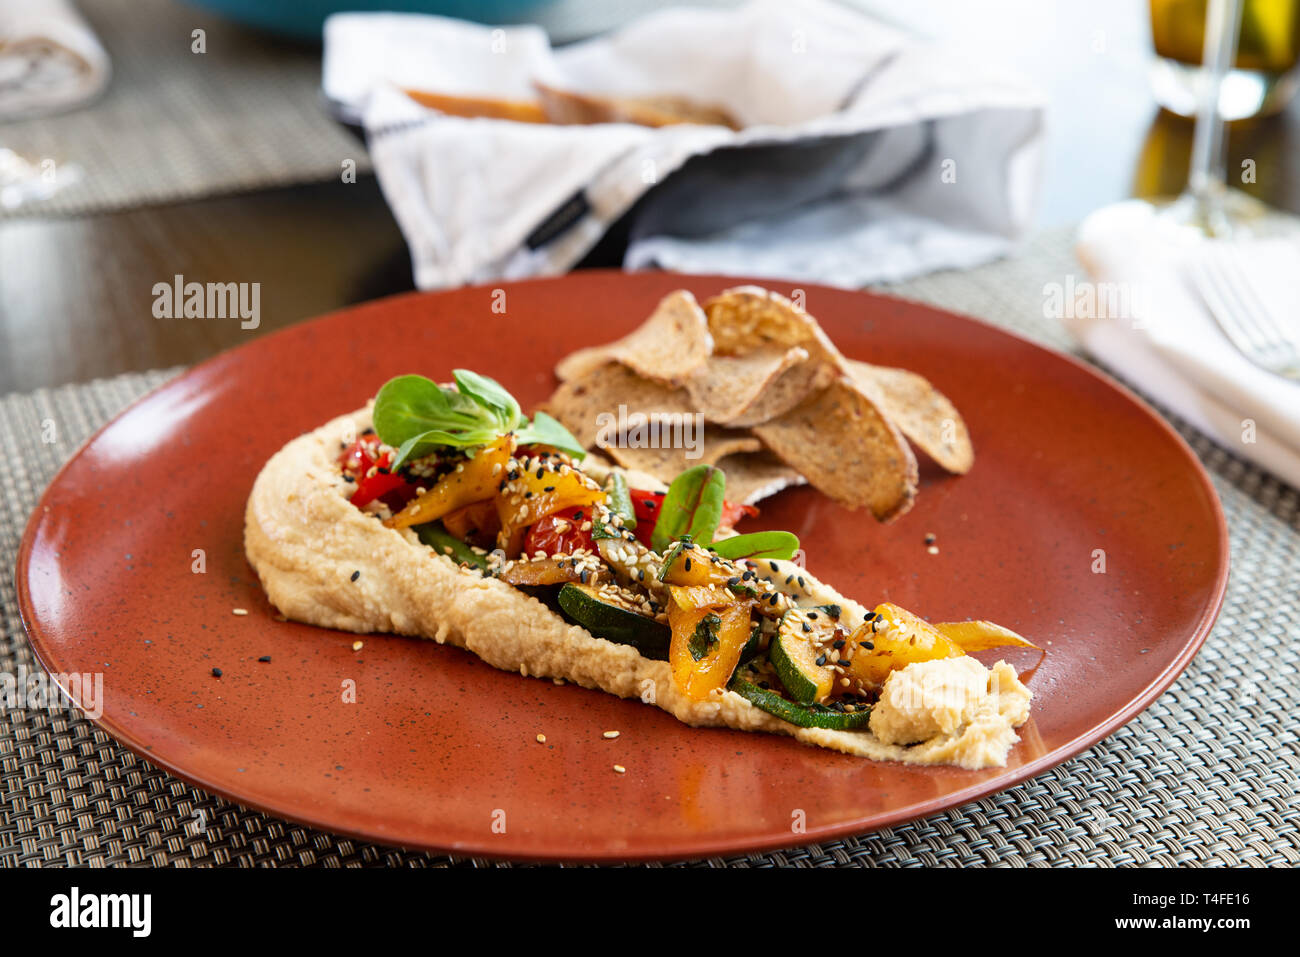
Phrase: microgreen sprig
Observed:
(417, 416)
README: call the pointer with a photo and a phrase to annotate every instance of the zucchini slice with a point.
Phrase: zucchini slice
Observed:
(800, 715)
(444, 543)
(618, 623)
(799, 643)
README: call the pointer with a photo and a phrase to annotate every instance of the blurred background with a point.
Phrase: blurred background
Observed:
(202, 145)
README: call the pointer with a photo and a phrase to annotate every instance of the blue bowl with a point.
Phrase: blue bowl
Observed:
(302, 19)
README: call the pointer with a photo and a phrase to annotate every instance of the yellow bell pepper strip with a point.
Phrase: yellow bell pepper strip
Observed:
(541, 571)
(687, 564)
(895, 638)
(476, 523)
(978, 635)
(529, 496)
(474, 480)
(707, 641)
(687, 597)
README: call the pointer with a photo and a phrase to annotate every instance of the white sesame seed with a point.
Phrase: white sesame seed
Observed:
(610, 734)
(620, 769)
(356, 645)
(541, 739)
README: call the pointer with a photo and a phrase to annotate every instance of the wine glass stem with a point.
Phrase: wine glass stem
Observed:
(1206, 178)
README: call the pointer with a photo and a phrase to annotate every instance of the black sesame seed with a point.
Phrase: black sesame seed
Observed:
(687, 565)
(216, 672)
(265, 659)
(549, 488)
(843, 662)
(356, 574)
(348, 478)
(807, 627)
(802, 583)
(649, 502)
(774, 566)
(812, 615)
(821, 660)
(772, 598)
(930, 538)
(869, 645)
(584, 575)
(540, 472)
(833, 610)
(577, 516)
(528, 495)
(838, 644)
(733, 580)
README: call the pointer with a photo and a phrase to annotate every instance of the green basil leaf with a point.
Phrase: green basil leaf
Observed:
(491, 395)
(412, 405)
(544, 430)
(705, 638)
(780, 545)
(708, 510)
(618, 498)
(692, 506)
(418, 446)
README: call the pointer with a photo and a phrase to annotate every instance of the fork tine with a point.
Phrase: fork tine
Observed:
(1224, 309)
(1262, 311)
(1240, 312)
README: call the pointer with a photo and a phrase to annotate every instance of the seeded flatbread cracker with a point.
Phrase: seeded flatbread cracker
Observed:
(572, 107)
(754, 476)
(921, 412)
(641, 424)
(667, 347)
(745, 390)
(746, 318)
(845, 446)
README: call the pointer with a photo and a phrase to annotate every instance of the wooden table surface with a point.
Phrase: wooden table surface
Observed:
(76, 293)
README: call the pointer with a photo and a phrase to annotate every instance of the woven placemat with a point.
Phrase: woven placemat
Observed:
(1207, 775)
(174, 124)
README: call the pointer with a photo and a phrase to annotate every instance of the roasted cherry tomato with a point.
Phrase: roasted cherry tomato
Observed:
(647, 505)
(560, 533)
(357, 461)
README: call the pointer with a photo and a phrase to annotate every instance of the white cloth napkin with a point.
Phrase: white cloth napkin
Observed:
(1168, 344)
(844, 171)
(50, 59)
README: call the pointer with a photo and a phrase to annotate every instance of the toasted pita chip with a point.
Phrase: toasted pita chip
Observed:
(667, 462)
(846, 447)
(747, 318)
(745, 390)
(641, 424)
(667, 347)
(921, 412)
(520, 111)
(570, 107)
(753, 476)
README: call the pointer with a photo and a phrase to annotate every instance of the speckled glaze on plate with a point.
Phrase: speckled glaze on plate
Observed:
(439, 750)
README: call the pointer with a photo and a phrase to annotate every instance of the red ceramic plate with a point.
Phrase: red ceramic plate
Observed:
(439, 751)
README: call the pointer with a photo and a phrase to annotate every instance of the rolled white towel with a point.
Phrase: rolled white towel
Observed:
(50, 59)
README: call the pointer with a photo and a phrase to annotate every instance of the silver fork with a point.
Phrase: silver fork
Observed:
(1249, 322)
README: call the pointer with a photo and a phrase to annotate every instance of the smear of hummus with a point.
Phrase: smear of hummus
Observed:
(325, 562)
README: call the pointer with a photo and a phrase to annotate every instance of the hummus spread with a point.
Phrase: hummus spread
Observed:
(325, 562)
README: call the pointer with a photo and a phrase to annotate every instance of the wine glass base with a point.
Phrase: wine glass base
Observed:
(1242, 95)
